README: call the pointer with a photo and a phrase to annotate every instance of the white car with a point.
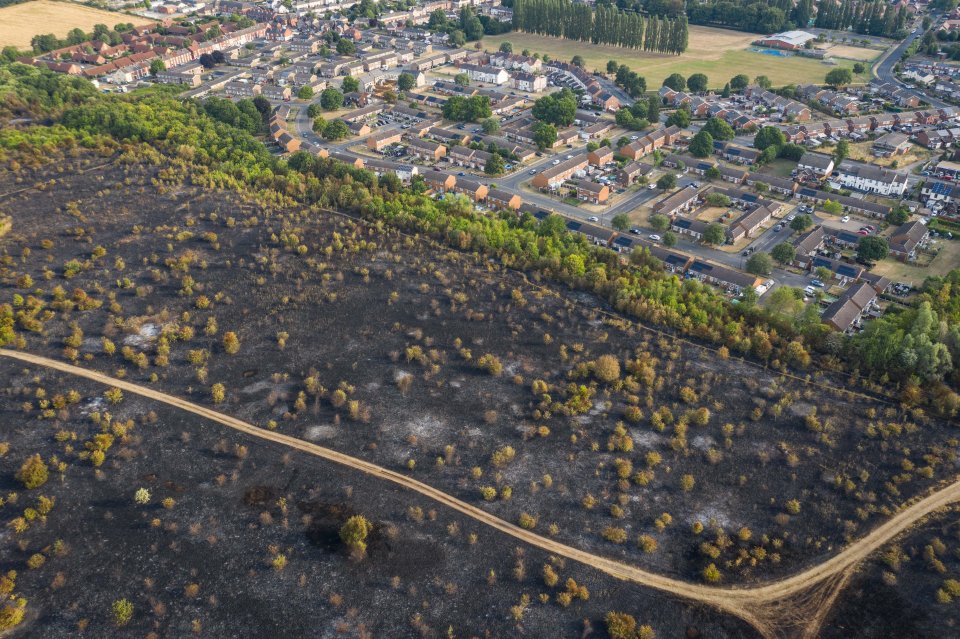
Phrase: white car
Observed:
(655, 238)
(845, 219)
(634, 137)
(593, 218)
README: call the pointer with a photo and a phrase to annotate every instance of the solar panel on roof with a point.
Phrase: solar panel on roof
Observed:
(623, 241)
(747, 197)
(574, 226)
(847, 271)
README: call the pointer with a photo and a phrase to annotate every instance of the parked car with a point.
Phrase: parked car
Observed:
(845, 219)
(655, 237)
(778, 228)
(593, 218)
(810, 291)
(635, 231)
(816, 283)
(791, 217)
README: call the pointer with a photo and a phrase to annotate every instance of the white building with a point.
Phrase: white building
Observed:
(529, 82)
(869, 178)
(485, 73)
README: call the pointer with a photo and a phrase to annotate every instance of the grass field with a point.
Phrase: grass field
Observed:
(20, 22)
(719, 53)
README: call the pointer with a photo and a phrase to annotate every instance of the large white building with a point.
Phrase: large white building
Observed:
(869, 178)
(485, 73)
(788, 40)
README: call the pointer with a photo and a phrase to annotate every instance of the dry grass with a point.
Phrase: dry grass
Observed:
(945, 261)
(20, 22)
(859, 54)
(719, 53)
(711, 214)
(862, 151)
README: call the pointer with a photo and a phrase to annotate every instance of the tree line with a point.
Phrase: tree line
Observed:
(605, 25)
(866, 18)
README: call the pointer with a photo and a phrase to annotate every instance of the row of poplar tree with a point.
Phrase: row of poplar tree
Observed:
(606, 25)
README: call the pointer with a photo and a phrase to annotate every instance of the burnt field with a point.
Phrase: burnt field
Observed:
(522, 398)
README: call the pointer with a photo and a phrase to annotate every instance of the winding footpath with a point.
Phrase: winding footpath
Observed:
(793, 605)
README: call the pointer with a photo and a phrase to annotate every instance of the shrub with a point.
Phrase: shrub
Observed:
(231, 343)
(502, 456)
(550, 577)
(491, 364)
(527, 521)
(687, 482)
(142, 496)
(647, 543)
(614, 534)
(606, 368)
(33, 473)
(218, 393)
(122, 611)
(711, 574)
(354, 534)
(620, 625)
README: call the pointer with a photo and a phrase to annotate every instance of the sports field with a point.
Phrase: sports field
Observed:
(20, 22)
(719, 53)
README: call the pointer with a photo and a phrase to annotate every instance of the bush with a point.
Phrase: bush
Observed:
(606, 368)
(122, 611)
(614, 534)
(527, 521)
(620, 625)
(711, 574)
(33, 473)
(354, 534)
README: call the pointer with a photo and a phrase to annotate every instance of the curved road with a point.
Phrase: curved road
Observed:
(884, 69)
(768, 606)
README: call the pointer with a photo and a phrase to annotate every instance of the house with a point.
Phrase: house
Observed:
(850, 307)
(382, 139)
(807, 245)
(730, 174)
(632, 172)
(788, 40)
(340, 156)
(420, 148)
(891, 144)
(440, 181)
(749, 223)
(474, 190)
(686, 226)
(470, 158)
(682, 200)
(596, 234)
(364, 113)
(592, 192)
(485, 73)
(529, 82)
(601, 156)
(650, 142)
(289, 143)
(938, 138)
(728, 278)
(382, 167)
(817, 163)
(736, 153)
(906, 239)
(935, 191)
(500, 199)
(775, 183)
(673, 261)
(554, 176)
(870, 178)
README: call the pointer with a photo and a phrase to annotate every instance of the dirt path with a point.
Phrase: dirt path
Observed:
(793, 605)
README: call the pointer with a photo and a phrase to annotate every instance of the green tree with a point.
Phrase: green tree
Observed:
(679, 118)
(842, 151)
(859, 68)
(739, 82)
(872, 248)
(701, 145)
(354, 534)
(801, 223)
(653, 109)
(462, 79)
(314, 110)
(839, 77)
(331, 99)
(491, 126)
(346, 47)
(769, 136)
(898, 215)
(715, 234)
(405, 81)
(712, 173)
(506, 47)
(612, 66)
(350, 84)
(762, 81)
(544, 135)
(676, 82)
(577, 61)
(783, 253)
(697, 83)
(336, 130)
(669, 239)
(719, 129)
(157, 66)
(760, 264)
(667, 181)
(558, 108)
(494, 165)
(620, 222)
(659, 222)
(305, 92)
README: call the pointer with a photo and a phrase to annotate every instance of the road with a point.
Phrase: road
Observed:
(796, 604)
(883, 69)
